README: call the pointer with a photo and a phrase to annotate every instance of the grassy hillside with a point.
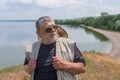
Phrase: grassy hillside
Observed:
(13, 73)
(99, 67)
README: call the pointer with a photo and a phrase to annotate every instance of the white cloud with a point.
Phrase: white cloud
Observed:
(26, 1)
(58, 3)
(52, 3)
(3, 4)
(56, 8)
(22, 1)
(46, 3)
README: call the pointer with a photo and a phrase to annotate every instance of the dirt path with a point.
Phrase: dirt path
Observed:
(114, 38)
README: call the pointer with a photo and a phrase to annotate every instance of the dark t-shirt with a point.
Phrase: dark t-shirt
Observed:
(44, 67)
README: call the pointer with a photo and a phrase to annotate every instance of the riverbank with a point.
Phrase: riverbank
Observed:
(99, 66)
(114, 38)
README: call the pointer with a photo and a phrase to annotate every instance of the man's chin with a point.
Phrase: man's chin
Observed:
(54, 38)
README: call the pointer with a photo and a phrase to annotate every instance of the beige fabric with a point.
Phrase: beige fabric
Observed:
(64, 50)
(33, 54)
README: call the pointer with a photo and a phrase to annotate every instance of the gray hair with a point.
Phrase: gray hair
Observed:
(42, 19)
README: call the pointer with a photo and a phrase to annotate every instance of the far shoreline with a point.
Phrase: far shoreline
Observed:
(114, 38)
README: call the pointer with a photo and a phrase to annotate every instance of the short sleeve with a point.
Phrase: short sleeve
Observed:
(78, 57)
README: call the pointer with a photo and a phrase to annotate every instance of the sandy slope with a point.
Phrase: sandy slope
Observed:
(114, 38)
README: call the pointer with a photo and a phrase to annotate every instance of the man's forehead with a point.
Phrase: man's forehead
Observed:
(47, 22)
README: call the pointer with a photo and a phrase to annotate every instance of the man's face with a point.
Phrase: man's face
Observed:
(47, 32)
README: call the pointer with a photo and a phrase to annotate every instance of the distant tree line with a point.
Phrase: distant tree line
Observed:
(105, 21)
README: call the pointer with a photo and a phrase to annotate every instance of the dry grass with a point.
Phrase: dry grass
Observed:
(14, 73)
(99, 67)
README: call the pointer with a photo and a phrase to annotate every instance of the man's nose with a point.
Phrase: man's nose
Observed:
(53, 29)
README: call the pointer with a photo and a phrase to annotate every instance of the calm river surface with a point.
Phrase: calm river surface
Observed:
(15, 35)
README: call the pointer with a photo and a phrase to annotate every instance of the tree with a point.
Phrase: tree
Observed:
(89, 21)
(104, 14)
(117, 25)
(97, 22)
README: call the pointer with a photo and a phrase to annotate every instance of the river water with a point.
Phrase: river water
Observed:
(15, 35)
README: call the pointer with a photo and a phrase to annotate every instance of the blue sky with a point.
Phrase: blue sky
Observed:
(58, 9)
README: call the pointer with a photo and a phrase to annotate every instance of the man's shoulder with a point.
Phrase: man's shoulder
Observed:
(66, 40)
(36, 43)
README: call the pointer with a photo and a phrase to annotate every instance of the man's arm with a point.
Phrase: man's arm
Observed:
(74, 68)
(71, 67)
(30, 66)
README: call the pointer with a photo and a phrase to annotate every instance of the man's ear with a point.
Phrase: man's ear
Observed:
(38, 34)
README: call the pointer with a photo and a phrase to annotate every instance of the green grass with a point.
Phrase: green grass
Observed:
(98, 35)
